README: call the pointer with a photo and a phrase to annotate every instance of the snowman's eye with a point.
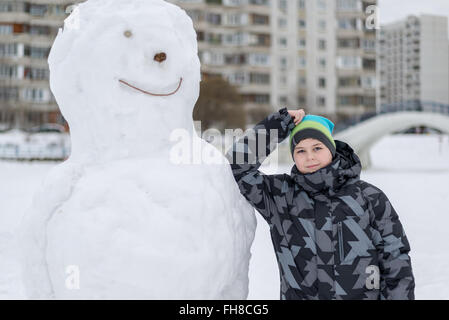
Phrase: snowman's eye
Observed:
(160, 57)
(128, 33)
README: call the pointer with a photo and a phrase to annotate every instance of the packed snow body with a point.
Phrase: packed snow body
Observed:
(119, 219)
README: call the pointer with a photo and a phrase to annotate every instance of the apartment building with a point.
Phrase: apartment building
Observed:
(236, 41)
(355, 62)
(317, 54)
(27, 31)
(414, 63)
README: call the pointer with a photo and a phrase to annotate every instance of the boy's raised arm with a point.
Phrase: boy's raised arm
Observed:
(248, 153)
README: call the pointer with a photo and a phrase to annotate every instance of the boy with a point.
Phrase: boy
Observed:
(335, 236)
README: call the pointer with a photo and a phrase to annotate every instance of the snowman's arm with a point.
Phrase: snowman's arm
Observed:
(247, 154)
(55, 189)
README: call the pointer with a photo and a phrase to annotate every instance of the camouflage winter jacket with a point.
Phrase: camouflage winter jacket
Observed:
(335, 236)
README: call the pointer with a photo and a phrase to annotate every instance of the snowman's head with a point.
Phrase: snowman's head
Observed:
(127, 65)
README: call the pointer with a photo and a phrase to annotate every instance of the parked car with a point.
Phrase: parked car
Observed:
(45, 142)
(48, 128)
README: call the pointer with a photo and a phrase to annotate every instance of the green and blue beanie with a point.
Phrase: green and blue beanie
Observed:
(315, 127)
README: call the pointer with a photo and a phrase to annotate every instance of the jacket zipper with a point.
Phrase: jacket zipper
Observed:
(340, 241)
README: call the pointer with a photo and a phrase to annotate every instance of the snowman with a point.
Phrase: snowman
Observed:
(118, 219)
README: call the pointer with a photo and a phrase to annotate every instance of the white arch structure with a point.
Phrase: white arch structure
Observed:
(364, 135)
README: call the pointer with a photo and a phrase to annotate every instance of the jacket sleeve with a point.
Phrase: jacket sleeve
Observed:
(248, 153)
(396, 276)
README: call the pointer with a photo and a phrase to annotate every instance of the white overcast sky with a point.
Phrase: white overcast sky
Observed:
(391, 10)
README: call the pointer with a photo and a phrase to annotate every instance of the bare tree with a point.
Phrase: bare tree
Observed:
(219, 105)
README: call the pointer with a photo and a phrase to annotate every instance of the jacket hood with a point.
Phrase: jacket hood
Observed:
(344, 168)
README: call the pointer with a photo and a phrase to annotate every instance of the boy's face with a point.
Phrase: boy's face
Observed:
(311, 155)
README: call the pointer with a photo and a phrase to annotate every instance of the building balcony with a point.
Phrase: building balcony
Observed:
(356, 90)
(14, 17)
(255, 88)
(350, 72)
(350, 33)
(351, 14)
(24, 83)
(30, 39)
(350, 52)
(351, 110)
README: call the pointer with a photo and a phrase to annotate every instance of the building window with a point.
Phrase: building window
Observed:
(58, 10)
(282, 23)
(213, 18)
(259, 59)
(349, 5)
(350, 24)
(261, 40)
(283, 63)
(302, 23)
(236, 39)
(236, 19)
(283, 42)
(301, 4)
(349, 62)
(282, 100)
(5, 29)
(321, 101)
(6, 6)
(36, 73)
(238, 59)
(322, 25)
(282, 5)
(369, 45)
(322, 63)
(216, 58)
(301, 62)
(283, 80)
(349, 100)
(38, 10)
(348, 43)
(40, 30)
(8, 49)
(7, 71)
(369, 64)
(349, 82)
(321, 4)
(260, 2)
(260, 19)
(259, 78)
(225, 2)
(35, 52)
(301, 100)
(322, 44)
(369, 82)
(322, 82)
(238, 78)
(9, 93)
(35, 95)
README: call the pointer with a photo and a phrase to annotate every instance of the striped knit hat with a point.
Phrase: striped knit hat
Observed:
(315, 127)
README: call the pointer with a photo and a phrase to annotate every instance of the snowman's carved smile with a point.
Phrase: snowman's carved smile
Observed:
(150, 93)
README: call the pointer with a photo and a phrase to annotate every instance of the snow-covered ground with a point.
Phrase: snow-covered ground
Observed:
(412, 170)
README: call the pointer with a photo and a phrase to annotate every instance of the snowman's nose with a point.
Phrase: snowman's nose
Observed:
(160, 57)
